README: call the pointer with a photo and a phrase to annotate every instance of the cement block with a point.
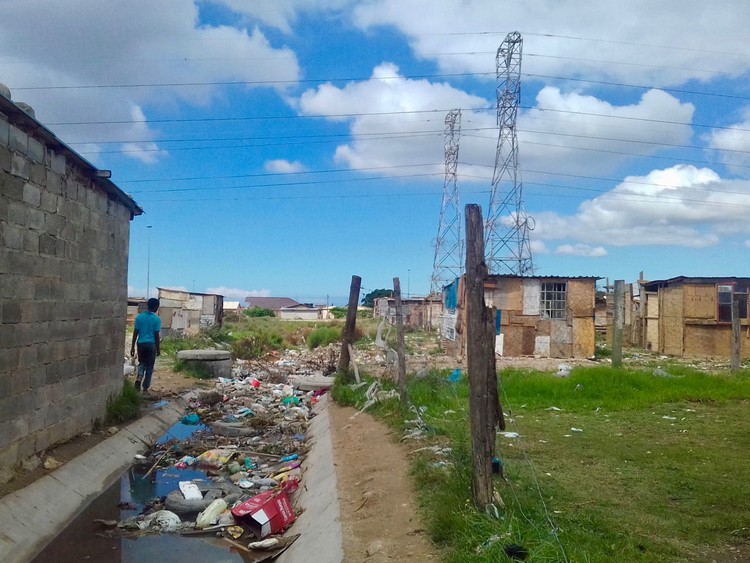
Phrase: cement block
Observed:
(31, 241)
(36, 150)
(18, 140)
(58, 163)
(12, 238)
(32, 194)
(17, 213)
(20, 166)
(47, 244)
(12, 187)
(4, 131)
(4, 157)
(54, 183)
(35, 219)
(37, 173)
(19, 427)
(11, 312)
(48, 201)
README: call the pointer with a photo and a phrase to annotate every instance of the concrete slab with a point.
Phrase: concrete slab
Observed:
(31, 517)
(204, 355)
(321, 536)
(311, 382)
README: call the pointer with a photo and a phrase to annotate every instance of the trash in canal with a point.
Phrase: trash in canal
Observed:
(230, 469)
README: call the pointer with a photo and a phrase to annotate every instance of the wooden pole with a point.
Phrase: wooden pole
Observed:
(484, 405)
(735, 363)
(351, 322)
(401, 372)
(618, 322)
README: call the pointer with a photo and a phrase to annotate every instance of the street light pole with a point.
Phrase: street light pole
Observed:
(148, 264)
(408, 283)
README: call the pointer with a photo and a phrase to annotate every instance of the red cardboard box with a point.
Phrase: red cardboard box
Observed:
(267, 513)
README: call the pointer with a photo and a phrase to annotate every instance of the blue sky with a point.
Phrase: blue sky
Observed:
(280, 146)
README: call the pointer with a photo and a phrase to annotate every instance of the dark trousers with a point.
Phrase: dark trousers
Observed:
(146, 361)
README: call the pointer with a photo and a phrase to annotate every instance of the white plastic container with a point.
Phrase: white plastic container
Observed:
(211, 514)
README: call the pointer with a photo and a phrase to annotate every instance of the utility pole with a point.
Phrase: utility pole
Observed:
(351, 322)
(401, 372)
(148, 264)
(486, 413)
(735, 363)
(507, 226)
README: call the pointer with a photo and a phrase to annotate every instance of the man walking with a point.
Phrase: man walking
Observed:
(146, 334)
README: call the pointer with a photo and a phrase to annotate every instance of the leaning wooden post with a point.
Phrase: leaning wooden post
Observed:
(351, 322)
(401, 373)
(484, 404)
(618, 322)
(735, 363)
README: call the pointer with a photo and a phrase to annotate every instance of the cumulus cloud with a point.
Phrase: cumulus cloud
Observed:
(236, 294)
(732, 145)
(120, 43)
(678, 206)
(460, 39)
(281, 166)
(581, 250)
(538, 247)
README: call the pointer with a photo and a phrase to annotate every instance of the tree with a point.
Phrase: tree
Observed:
(369, 299)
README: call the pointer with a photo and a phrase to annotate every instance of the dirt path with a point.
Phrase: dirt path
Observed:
(378, 508)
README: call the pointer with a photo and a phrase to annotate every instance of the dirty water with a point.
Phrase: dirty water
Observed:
(83, 539)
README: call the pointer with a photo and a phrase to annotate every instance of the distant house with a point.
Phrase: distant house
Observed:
(550, 316)
(136, 305)
(692, 316)
(300, 312)
(188, 312)
(275, 304)
(418, 312)
(234, 307)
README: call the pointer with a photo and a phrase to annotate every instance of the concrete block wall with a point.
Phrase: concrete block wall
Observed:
(63, 295)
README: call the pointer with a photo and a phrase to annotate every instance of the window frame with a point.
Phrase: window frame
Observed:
(551, 306)
(724, 315)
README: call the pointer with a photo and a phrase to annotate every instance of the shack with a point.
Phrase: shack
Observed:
(419, 312)
(549, 316)
(186, 312)
(275, 304)
(692, 316)
(300, 312)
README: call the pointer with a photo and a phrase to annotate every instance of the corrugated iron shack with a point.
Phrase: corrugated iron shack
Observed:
(187, 312)
(551, 316)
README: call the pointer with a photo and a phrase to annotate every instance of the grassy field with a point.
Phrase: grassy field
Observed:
(610, 465)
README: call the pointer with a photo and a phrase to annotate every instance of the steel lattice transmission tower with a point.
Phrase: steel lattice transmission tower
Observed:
(449, 247)
(507, 226)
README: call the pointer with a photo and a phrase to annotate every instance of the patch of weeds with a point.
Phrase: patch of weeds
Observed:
(124, 407)
(256, 344)
(193, 369)
(323, 336)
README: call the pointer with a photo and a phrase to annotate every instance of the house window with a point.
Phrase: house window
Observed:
(725, 294)
(553, 300)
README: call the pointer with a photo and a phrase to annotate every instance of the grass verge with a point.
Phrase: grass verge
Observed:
(124, 407)
(652, 472)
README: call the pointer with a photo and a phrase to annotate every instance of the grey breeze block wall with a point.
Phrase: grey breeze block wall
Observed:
(63, 289)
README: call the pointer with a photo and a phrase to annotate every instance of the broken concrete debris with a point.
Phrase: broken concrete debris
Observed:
(246, 442)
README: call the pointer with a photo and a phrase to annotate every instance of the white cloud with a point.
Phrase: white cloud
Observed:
(280, 14)
(86, 42)
(538, 247)
(281, 166)
(747, 243)
(678, 206)
(236, 294)
(732, 144)
(575, 38)
(581, 250)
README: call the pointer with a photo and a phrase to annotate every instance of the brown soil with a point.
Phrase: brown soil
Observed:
(376, 496)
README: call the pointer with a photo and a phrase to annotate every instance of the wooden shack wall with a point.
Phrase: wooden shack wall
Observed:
(714, 341)
(700, 302)
(652, 321)
(671, 321)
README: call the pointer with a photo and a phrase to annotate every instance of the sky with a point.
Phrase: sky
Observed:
(279, 147)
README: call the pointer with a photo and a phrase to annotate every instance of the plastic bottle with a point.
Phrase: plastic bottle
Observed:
(289, 457)
(211, 514)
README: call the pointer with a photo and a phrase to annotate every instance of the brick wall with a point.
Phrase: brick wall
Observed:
(63, 292)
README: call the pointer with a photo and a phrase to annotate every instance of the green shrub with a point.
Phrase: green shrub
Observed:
(259, 312)
(339, 312)
(323, 336)
(257, 344)
(125, 406)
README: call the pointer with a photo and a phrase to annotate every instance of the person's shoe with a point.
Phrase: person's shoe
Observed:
(137, 384)
(147, 393)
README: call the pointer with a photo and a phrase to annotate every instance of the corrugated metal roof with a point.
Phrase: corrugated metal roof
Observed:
(693, 280)
(21, 119)
(512, 276)
(270, 302)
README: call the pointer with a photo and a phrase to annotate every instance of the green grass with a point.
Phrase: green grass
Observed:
(124, 407)
(323, 336)
(657, 474)
(192, 369)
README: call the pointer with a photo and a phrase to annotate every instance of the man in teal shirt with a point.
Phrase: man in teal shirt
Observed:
(146, 334)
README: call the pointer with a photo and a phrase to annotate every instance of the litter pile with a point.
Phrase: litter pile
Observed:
(241, 466)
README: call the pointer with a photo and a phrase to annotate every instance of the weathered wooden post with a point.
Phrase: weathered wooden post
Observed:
(351, 321)
(618, 322)
(735, 363)
(484, 405)
(401, 372)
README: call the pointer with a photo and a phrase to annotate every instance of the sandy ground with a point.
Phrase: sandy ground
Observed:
(376, 496)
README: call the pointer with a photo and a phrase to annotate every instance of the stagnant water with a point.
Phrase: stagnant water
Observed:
(82, 540)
